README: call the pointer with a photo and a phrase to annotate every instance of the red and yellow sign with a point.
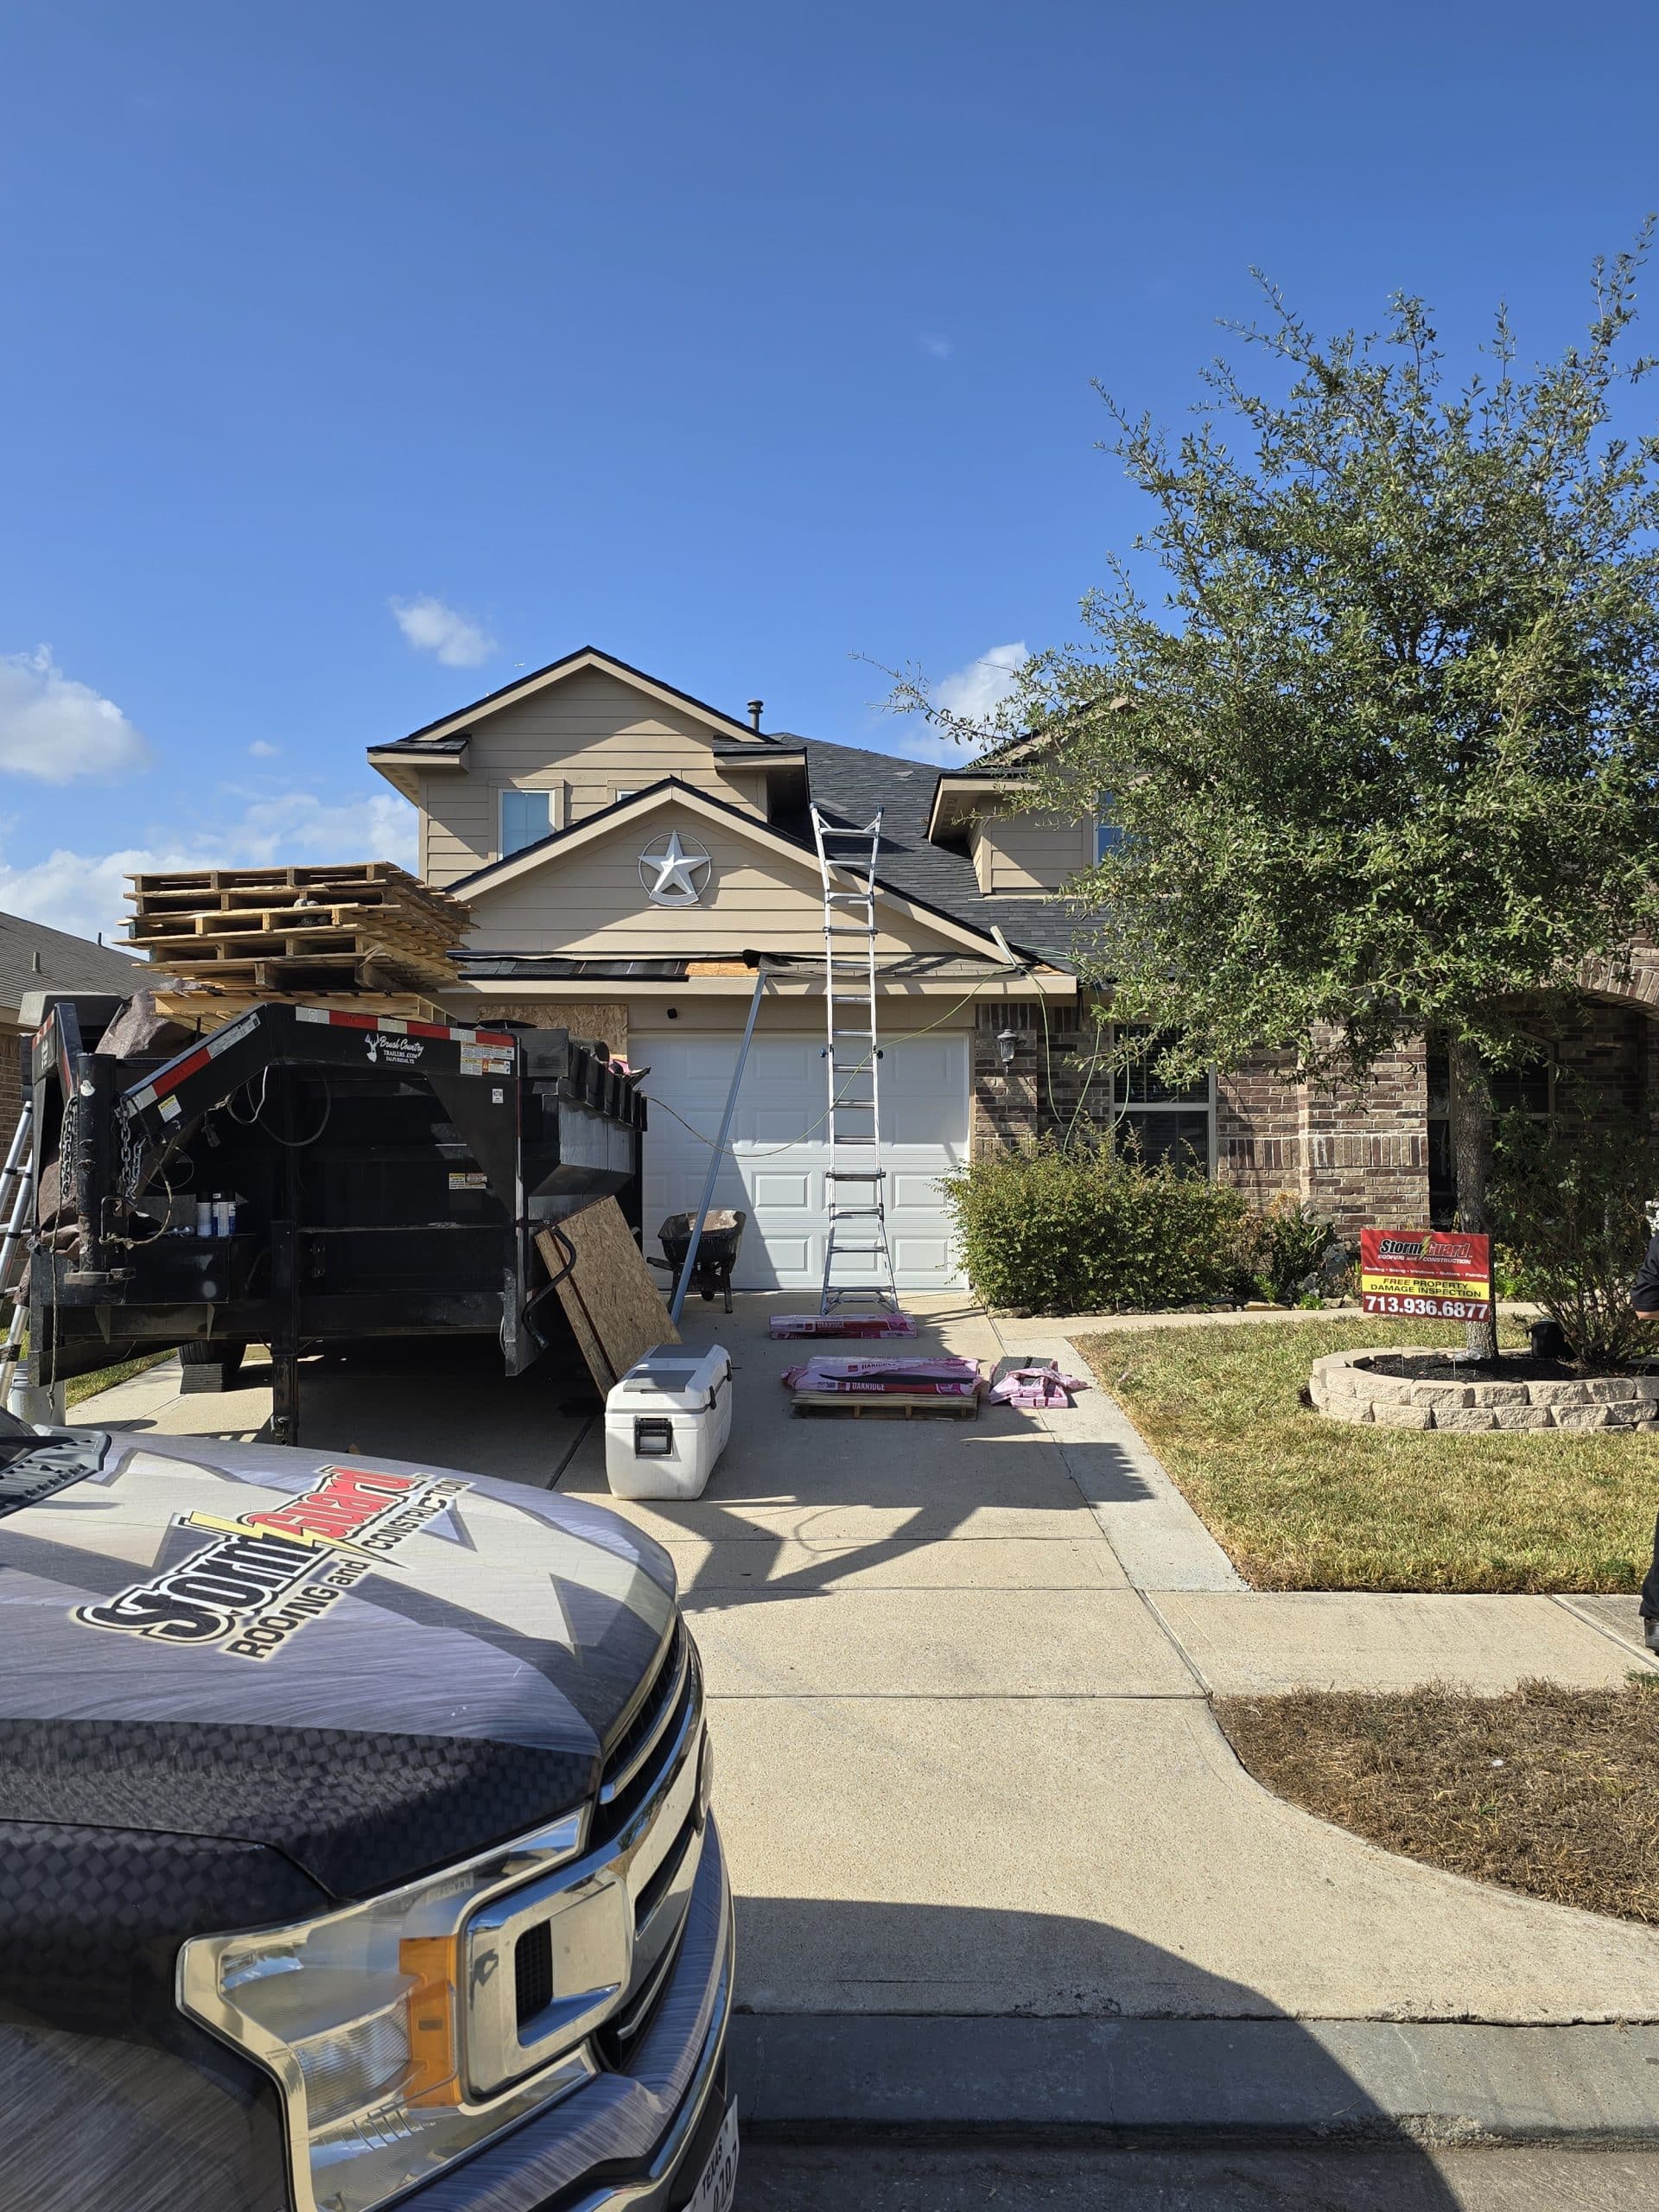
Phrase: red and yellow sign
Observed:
(1426, 1274)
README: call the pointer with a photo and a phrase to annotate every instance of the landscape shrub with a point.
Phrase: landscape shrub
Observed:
(1568, 1197)
(1280, 1249)
(1047, 1229)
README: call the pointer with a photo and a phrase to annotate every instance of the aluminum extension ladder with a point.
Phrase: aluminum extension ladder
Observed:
(857, 1189)
(16, 1187)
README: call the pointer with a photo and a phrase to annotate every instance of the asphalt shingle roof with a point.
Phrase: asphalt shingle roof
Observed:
(850, 783)
(66, 963)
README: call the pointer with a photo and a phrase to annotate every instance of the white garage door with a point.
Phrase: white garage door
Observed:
(775, 1168)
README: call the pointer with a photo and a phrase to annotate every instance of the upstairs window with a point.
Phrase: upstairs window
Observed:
(526, 816)
(1108, 835)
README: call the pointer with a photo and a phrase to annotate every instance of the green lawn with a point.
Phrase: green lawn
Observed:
(1301, 1502)
(106, 1378)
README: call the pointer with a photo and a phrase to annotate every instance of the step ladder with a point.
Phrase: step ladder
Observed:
(17, 1189)
(857, 1263)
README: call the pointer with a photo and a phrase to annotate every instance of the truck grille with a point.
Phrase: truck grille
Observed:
(631, 1770)
(588, 1948)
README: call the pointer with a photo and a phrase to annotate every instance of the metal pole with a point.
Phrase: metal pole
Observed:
(715, 1157)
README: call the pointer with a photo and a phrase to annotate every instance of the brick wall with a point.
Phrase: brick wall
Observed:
(1049, 1080)
(1359, 1155)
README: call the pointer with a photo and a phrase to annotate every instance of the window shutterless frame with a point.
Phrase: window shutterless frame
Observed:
(1134, 1103)
(525, 816)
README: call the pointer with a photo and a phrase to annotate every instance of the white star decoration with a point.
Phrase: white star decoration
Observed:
(670, 872)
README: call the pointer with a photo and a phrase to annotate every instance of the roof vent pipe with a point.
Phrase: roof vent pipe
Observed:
(755, 705)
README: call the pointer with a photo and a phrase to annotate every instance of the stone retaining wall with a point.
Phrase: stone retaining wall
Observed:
(1412, 1389)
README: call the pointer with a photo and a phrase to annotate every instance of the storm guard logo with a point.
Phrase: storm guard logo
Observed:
(264, 1575)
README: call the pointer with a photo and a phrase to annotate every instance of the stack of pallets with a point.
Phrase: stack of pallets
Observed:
(263, 933)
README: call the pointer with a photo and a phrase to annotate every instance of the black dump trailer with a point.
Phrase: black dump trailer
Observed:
(304, 1176)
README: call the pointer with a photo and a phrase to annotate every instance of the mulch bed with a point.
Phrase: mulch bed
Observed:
(1548, 1790)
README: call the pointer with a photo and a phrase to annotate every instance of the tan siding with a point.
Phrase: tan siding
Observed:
(585, 738)
(460, 834)
(592, 902)
(1030, 852)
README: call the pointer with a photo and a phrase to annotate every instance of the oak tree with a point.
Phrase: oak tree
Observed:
(1383, 753)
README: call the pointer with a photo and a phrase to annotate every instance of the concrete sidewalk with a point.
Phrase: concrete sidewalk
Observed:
(969, 1775)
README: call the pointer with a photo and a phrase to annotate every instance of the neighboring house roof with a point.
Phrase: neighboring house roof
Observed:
(35, 959)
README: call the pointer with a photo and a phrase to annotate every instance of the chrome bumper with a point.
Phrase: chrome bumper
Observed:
(636, 2129)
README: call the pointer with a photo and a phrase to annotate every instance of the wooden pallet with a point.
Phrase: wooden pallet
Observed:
(205, 1010)
(902, 1405)
(284, 931)
(302, 914)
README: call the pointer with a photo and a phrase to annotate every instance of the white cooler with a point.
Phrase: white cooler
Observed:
(667, 1422)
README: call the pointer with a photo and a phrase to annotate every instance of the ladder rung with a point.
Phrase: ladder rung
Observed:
(854, 1174)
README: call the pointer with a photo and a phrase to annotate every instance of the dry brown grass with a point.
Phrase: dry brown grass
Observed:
(1548, 1790)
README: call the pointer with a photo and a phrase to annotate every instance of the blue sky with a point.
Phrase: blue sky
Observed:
(743, 340)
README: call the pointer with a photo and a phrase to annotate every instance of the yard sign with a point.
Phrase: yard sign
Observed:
(1431, 1274)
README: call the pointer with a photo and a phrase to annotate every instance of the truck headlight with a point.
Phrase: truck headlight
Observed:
(362, 2016)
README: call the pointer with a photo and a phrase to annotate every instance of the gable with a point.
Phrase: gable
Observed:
(583, 894)
(587, 659)
(584, 732)
(597, 731)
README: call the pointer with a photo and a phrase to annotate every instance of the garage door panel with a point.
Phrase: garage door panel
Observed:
(778, 1174)
(918, 1260)
(783, 1192)
(773, 1125)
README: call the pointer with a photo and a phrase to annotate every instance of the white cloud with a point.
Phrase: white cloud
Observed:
(936, 344)
(56, 729)
(84, 892)
(259, 750)
(432, 628)
(974, 693)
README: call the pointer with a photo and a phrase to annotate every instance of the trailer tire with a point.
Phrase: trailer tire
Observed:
(223, 1353)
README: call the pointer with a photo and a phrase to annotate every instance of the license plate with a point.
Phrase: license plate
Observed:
(718, 2183)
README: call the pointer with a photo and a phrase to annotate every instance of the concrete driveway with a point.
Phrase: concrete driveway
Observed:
(969, 1766)
(987, 1840)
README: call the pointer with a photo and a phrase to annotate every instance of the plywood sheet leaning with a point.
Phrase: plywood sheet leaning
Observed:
(615, 1311)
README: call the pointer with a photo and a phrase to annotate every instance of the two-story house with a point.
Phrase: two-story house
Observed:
(627, 850)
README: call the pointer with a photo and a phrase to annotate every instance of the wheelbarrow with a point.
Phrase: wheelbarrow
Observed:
(717, 1249)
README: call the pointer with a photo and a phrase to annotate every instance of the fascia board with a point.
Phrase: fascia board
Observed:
(590, 657)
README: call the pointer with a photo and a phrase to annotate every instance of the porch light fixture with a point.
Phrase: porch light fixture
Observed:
(1008, 1044)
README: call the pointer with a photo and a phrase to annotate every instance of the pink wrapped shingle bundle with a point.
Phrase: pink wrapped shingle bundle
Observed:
(1036, 1387)
(841, 1325)
(875, 1378)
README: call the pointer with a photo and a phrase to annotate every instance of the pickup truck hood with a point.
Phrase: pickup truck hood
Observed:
(370, 1666)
